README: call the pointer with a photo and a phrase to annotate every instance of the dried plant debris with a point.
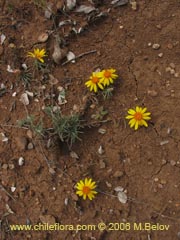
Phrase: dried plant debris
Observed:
(48, 11)
(58, 53)
(85, 9)
(66, 22)
(2, 91)
(97, 16)
(3, 137)
(2, 38)
(118, 3)
(9, 69)
(100, 150)
(74, 155)
(62, 96)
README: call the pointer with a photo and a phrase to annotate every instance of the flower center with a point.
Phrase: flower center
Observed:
(138, 116)
(107, 74)
(38, 55)
(95, 79)
(86, 190)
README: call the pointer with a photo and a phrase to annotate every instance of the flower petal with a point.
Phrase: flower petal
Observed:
(131, 111)
(137, 109)
(129, 116)
(136, 125)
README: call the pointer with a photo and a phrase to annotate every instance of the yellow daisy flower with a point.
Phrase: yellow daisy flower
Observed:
(138, 117)
(108, 76)
(86, 188)
(38, 54)
(94, 82)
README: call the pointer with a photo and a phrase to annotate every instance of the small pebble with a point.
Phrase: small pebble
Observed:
(172, 162)
(168, 130)
(102, 164)
(100, 150)
(13, 189)
(5, 166)
(156, 179)
(146, 58)
(156, 46)
(11, 166)
(21, 142)
(118, 174)
(29, 134)
(119, 189)
(66, 200)
(149, 44)
(92, 106)
(160, 185)
(172, 71)
(109, 185)
(160, 55)
(102, 130)
(11, 45)
(176, 75)
(152, 93)
(30, 146)
(159, 26)
(133, 5)
(43, 37)
(164, 161)
(168, 69)
(74, 197)
(21, 161)
(172, 65)
(163, 181)
(170, 46)
(164, 142)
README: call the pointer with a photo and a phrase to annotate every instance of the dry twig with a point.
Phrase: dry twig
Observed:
(3, 189)
(79, 56)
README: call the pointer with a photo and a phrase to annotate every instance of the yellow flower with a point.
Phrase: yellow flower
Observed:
(86, 188)
(138, 117)
(94, 82)
(108, 76)
(38, 54)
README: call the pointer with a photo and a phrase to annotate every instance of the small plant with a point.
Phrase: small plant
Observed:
(86, 188)
(26, 77)
(138, 117)
(66, 127)
(107, 92)
(99, 115)
(29, 122)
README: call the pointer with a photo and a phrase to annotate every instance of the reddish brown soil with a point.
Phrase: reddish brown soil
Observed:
(150, 170)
